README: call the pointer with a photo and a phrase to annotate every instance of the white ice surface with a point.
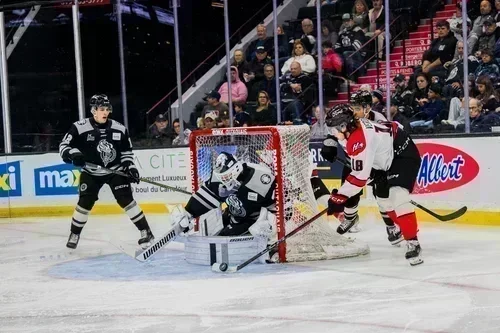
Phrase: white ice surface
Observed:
(45, 288)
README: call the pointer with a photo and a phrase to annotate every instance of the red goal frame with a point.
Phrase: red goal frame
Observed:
(274, 145)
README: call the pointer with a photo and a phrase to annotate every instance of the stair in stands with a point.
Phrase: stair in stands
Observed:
(415, 46)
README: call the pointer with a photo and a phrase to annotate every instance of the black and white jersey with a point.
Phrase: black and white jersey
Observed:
(244, 204)
(107, 144)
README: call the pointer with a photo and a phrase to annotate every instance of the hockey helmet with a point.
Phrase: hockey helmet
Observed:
(340, 117)
(227, 169)
(98, 101)
(362, 97)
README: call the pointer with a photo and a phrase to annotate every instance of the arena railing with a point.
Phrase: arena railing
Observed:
(213, 59)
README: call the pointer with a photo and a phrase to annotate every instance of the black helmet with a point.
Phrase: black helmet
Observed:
(361, 97)
(341, 116)
(99, 100)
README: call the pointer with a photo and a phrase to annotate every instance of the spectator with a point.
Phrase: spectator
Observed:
(403, 96)
(159, 134)
(397, 114)
(328, 33)
(376, 27)
(209, 121)
(456, 23)
(241, 117)
(378, 101)
(214, 105)
(488, 97)
(256, 66)
(197, 114)
(489, 36)
(456, 113)
(332, 62)
(264, 113)
(441, 50)
(479, 120)
(296, 92)
(302, 56)
(455, 73)
(488, 66)
(318, 132)
(261, 40)
(239, 92)
(360, 15)
(240, 63)
(365, 87)
(308, 40)
(430, 109)
(497, 15)
(224, 121)
(348, 46)
(477, 27)
(268, 84)
(177, 130)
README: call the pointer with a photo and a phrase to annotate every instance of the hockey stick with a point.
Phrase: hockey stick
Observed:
(146, 254)
(443, 218)
(223, 267)
(145, 180)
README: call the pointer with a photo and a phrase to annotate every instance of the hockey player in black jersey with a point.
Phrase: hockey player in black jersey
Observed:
(246, 188)
(361, 104)
(105, 142)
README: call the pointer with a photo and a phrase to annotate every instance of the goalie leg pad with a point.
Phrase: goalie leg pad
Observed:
(211, 222)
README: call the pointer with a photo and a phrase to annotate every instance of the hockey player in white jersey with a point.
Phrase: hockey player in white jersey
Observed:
(361, 106)
(246, 188)
(387, 149)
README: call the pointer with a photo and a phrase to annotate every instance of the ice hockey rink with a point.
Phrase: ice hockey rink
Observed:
(97, 288)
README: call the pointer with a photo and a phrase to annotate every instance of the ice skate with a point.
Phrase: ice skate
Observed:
(413, 252)
(73, 241)
(346, 225)
(355, 228)
(394, 234)
(146, 239)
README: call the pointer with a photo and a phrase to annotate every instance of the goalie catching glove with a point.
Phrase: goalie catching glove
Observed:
(180, 216)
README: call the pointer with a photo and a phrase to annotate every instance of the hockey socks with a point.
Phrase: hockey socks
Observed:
(136, 215)
(78, 220)
(387, 219)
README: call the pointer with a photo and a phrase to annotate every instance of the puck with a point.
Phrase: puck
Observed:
(223, 267)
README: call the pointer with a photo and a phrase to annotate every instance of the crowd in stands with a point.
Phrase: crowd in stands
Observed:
(429, 100)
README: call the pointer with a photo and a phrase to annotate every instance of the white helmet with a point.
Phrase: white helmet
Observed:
(227, 169)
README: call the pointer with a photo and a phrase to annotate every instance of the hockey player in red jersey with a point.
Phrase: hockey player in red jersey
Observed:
(389, 151)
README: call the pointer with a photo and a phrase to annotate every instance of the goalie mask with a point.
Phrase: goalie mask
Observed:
(227, 169)
(98, 101)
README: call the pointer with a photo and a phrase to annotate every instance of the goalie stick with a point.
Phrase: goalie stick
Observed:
(144, 255)
(145, 180)
(443, 218)
(223, 267)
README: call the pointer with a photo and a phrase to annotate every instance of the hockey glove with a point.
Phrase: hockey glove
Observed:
(77, 158)
(329, 150)
(131, 170)
(336, 203)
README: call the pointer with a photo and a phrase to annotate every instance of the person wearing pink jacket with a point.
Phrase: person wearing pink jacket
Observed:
(239, 91)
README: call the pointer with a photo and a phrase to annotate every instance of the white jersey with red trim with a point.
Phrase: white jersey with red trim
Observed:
(369, 147)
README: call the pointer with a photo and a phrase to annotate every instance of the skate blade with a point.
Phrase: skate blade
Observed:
(397, 242)
(415, 261)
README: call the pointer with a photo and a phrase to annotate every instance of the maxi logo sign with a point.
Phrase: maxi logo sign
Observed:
(61, 179)
(10, 179)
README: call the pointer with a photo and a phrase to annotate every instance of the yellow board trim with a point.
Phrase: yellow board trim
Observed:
(472, 217)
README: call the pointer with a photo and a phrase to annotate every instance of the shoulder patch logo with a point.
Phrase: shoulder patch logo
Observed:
(81, 122)
(117, 136)
(265, 179)
(357, 146)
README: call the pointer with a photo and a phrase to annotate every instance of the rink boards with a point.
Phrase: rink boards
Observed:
(454, 172)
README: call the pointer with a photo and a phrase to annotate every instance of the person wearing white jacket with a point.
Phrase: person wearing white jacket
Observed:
(300, 55)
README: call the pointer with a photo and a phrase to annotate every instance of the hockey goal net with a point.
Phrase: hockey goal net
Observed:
(285, 150)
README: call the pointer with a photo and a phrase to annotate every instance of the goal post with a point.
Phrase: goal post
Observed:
(284, 150)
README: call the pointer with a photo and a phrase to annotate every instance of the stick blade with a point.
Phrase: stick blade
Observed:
(454, 215)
